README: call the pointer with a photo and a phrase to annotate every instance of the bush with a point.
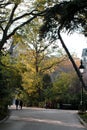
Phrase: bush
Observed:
(3, 112)
(83, 116)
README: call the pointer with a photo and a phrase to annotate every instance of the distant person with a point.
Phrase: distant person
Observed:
(21, 104)
(16, 103)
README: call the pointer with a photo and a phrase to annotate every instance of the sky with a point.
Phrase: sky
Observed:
(75, 43)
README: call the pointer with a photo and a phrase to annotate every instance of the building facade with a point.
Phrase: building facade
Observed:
(84, 57)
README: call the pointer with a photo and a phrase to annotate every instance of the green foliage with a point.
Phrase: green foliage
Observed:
(29, 76)
(66, 89)
(65, 15)
(47, 83)
(43, 4)
(10, 79)
(35, 58)
(63, 82)
(83, 115)
(16, 1)
(11, 18)
(35, 82)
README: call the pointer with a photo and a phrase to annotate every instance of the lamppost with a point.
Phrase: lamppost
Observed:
(81, 68)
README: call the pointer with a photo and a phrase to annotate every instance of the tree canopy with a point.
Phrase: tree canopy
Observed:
(65, 16)
(68, 15)
(13, 17)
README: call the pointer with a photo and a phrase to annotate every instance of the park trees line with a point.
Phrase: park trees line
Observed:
(39, 62)
(57, 16)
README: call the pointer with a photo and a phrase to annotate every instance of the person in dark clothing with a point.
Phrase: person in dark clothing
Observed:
(16, 103)
(21, 104)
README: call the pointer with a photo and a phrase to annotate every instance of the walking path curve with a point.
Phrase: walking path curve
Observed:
(42, 119)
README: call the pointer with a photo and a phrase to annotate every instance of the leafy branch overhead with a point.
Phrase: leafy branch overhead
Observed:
(11, 20)
(68, 15)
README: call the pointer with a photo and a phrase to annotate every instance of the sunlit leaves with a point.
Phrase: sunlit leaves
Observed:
(63, 82)
(16, 1)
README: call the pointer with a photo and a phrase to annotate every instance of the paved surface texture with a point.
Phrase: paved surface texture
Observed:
(42, 119)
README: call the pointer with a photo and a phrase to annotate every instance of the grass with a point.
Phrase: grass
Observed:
(83, 116)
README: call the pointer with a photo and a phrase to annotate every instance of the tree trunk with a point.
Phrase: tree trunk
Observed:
(72, 61)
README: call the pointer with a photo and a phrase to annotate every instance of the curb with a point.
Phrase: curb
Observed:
(81, 121)
(3, 120)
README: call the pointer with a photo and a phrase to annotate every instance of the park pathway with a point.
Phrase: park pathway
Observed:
(42, 119)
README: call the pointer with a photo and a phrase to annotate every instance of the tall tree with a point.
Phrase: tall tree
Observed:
(68, 15)
(37, 57)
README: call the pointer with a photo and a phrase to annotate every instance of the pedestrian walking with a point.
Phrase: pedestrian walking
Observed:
(21, 104)
(16, 103)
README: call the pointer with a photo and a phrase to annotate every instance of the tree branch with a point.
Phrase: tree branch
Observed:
(21, 25)
(58, 62)
(26, 22)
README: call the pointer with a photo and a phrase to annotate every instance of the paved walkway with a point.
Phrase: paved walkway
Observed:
(42, 119)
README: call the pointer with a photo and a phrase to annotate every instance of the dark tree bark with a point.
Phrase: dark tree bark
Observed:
(72, 60)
